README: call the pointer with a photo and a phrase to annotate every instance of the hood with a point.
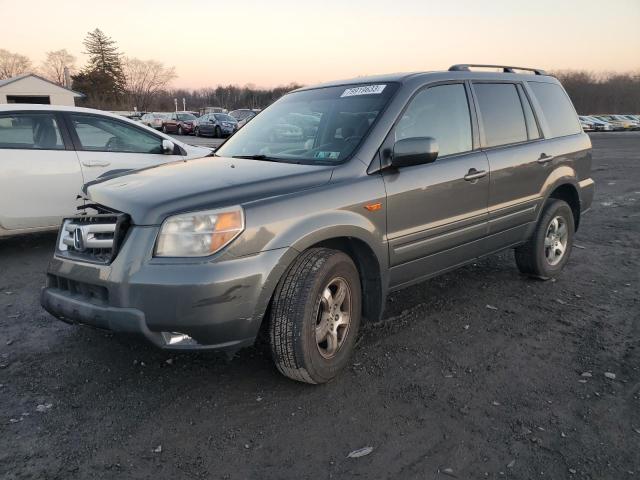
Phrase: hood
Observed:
(150, 195)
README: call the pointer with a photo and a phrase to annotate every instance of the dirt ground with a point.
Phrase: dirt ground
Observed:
(480, 373)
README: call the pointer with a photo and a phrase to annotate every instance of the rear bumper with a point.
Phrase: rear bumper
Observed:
(587, 192)
(218, 304)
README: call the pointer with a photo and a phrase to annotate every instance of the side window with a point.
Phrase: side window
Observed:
(441, 112)
(103, 134)
(556, 108)
(501, 113)
(33, 131)
(532, 127)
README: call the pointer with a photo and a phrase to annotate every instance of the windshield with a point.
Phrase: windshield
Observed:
(318, 126)
(225, 118)
(186, 117)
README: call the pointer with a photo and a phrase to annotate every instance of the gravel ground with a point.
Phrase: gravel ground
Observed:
(480, 373)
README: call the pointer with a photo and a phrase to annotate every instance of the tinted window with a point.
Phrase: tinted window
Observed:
(106, 135)
(186, 117)
(532, 127)
(557, 109)
(501, 113)
(440, 112)
(224, 118)
(37, 131)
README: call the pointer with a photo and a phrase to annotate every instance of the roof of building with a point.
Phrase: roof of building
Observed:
(17, 78)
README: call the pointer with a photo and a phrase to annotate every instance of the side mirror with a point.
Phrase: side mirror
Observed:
(168, 147)
(414, 151)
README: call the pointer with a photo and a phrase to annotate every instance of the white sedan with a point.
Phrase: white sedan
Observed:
(47, 153)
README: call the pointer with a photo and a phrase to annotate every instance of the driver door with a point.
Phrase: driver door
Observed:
(106, 145)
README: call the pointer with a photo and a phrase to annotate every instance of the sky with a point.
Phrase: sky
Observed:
(277, 42)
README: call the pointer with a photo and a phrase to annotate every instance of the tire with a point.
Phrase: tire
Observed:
(196, 132)
(217, 133)
(306, 344)
(164, 129)
(540, 257)
(180, 132)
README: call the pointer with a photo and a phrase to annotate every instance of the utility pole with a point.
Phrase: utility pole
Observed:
(175, 102)
(184, 105)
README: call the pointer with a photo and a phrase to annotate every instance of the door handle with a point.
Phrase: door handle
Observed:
(475, 174)
(96, 164)
(544, 158)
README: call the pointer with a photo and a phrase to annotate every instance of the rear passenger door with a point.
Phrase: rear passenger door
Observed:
(40, 176)
(512, 140)
(437, 212)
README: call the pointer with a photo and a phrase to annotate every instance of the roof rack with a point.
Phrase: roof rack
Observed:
(464, 67)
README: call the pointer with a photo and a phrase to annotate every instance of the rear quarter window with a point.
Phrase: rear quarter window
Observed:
(557, 109)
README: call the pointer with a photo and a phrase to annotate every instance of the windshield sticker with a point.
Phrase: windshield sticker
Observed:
(364, 90)
(329, 155)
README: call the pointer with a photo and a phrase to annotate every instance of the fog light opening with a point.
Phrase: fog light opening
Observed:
(177, 338)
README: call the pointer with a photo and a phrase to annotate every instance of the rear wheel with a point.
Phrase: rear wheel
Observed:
(315, 316)
(549, 248)
(197, 132)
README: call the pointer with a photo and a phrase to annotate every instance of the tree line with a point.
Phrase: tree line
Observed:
(112, 81)
(594, 93)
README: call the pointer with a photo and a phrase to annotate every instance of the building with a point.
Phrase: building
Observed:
(30, 88)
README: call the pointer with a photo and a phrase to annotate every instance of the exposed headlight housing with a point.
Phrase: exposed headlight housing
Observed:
(199, 234)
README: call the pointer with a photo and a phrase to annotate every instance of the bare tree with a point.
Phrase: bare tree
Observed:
(12, 64)
(144, 79)
(55, 63)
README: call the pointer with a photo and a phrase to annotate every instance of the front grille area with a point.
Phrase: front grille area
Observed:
(91, 293)
(93, 238)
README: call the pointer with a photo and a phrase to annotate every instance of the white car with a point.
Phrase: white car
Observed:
(47, 153)
(154, 120)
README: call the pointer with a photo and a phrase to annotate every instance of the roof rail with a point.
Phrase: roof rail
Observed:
(464, 67)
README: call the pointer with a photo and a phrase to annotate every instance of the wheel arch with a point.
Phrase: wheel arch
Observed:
(568, 192)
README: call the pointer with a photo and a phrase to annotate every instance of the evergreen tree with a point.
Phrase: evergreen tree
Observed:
(102, 80)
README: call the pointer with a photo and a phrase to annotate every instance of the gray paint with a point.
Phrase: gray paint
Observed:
(431, 220)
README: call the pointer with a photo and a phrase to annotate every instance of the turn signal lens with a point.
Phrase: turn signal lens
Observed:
(199, 234)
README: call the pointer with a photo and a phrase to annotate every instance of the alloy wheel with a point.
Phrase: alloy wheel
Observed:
(555, 240)
(333, 317)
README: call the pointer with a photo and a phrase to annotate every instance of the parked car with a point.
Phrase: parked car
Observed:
(243, 115)
(48, 152)
(153, 120)
(587, 125)
(599, 125)
(181, 123)
(618, 122)
(306, 238)
(205, 110)
(216, 125)
(633, 118)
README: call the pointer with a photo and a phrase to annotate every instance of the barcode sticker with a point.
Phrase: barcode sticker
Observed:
(363, 90)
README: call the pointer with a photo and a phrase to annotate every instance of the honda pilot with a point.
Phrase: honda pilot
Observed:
(388, 181)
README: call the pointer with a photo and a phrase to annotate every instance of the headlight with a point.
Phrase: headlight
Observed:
(199, 234)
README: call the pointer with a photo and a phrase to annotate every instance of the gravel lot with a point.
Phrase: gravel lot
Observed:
(199, 141)
(477, 374)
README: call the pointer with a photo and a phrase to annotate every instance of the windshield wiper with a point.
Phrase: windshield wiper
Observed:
(258, 157)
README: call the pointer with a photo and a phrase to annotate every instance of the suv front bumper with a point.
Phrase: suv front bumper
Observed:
(216, 303)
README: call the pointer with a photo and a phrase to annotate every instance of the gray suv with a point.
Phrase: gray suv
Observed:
(376, 184)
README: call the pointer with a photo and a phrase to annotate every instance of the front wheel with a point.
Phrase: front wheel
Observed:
(196, 132)
(548, 250)
(315, 316)
(180, 131)
(217, 133)
(164, 129)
